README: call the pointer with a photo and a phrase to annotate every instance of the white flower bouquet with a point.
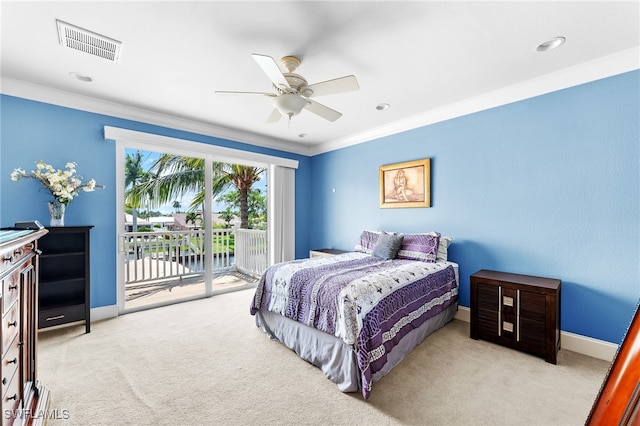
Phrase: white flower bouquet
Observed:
(64, 185)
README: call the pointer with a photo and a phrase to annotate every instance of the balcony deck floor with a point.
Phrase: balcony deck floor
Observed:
(167, 291)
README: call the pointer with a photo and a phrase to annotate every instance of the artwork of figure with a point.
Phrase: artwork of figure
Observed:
(401, 189)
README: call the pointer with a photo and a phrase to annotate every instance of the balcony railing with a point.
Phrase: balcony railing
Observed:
(251, 251)
(178, 254)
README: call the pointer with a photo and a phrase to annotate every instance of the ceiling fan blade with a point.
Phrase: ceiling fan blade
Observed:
(323, 111)
(274, 117)
(330, 87)
(229, 92)
(271, 69)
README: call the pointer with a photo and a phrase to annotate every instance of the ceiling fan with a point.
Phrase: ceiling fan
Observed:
(293, 93)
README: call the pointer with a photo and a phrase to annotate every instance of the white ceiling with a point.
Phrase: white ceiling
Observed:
(429, 60)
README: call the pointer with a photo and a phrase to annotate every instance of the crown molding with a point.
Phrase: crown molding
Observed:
(618, 63)
(62, 98)
(607, 66)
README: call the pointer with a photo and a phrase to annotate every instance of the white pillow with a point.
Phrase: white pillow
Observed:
(443, 248)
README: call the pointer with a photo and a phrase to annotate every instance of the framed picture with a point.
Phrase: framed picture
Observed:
(406, 184)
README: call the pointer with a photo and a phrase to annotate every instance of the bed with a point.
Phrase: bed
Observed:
(357, 315)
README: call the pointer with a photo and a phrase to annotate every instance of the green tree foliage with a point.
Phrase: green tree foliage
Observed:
(256, 206)
(227, 215)
(172, 176)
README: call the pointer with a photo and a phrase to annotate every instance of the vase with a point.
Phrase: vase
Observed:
(56, 211)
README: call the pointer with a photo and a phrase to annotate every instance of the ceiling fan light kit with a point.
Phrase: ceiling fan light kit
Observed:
(289, 104)
(293, 93)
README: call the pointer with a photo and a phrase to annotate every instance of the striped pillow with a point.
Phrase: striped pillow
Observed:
(367, 241)
(422, 247)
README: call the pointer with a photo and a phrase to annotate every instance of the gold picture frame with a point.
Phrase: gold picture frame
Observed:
(406, 184)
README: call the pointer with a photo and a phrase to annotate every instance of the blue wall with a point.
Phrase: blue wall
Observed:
(548, 186)
(34, 131)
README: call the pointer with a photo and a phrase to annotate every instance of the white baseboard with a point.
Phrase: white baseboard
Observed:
(104, 312)
(572, 342)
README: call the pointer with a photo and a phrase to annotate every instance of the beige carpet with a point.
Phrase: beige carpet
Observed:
(205, 363)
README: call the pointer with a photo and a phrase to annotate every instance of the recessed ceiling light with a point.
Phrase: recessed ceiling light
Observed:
(551, 44)
(81, 77)
(382, 107)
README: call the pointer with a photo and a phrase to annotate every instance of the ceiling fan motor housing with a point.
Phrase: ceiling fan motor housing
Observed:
(296, 81)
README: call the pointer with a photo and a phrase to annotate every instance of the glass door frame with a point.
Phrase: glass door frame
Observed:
(130, 139)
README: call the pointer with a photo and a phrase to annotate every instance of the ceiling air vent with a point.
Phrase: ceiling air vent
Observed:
(88, 42)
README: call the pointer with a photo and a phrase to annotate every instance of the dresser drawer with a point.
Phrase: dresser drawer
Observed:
(11, 399)
(10, 326)
(64, 315)
(11, 288)
(15, 256)
(10, 365)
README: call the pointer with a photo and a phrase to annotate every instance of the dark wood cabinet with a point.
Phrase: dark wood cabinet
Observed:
(323, 252)
(23, 397)
(518, 311)
(64, 291)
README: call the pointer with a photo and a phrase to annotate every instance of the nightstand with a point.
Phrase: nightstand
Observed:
(325, 252)
(518, 311)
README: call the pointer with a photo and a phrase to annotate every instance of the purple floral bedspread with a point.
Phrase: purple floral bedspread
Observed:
(367, 302)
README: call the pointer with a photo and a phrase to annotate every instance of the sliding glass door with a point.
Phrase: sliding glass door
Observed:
(192, 218)
(183, 238)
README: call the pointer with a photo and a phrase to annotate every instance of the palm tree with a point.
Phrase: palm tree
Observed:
(175, 175)
(134, 175)
(193, 217)
(243, 178)
(176, 205)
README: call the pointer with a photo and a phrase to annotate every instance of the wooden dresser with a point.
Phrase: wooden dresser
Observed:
(518, 311)
(24, 400)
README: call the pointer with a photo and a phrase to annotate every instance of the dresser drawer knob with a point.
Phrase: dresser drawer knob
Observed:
(4, 381)
(18, 252)
(7, 259)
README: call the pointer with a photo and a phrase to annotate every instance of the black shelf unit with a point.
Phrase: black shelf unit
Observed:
(64, 290)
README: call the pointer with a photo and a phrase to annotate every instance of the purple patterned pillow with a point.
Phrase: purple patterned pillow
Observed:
(368, 240)
(422, 247)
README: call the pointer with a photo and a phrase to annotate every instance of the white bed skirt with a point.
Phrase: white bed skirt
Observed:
(335, 358)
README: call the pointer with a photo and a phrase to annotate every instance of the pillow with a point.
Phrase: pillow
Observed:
(422, 247)
(443, 247)
(368, 240)
(387, 246)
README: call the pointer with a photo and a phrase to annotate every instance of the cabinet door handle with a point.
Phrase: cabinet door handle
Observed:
(55, 318)
(13, 361)
(13, 287)
(14, 397)
(499, 311)
(4, 380)
(13, 324)
(7, 259)
(18, 252)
